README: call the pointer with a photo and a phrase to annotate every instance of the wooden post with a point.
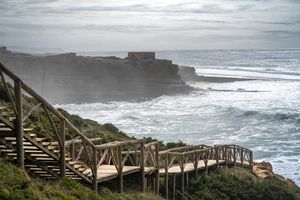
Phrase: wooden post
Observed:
(196, 164)
(217, 157)
(182, 181)
(251, 161)
(225, 154)
(72, 150)
(62, 149)
(174, 186)
(19, 124)
(95, 167)
(242, 157)
(167, 176)
(142, 163)
(120, 169)
(234, 155)
(187, 180)
(157, 169)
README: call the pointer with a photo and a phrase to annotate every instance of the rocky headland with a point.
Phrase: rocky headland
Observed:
(70, 78)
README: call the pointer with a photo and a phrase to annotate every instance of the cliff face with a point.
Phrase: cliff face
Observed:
(68, 78)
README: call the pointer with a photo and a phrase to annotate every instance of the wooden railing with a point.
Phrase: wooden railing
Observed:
(193, 154)
(62, 129)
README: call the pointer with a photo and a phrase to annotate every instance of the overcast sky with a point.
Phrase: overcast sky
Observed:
(96, 25)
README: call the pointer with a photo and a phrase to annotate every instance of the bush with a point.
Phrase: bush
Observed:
(238, 184)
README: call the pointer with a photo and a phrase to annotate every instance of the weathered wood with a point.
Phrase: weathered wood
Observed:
(251, 161)
(120, 169)
(32, 111)
(118, 143)
(242, 156)
(53, 125)
(234, 155)
(62, 149)
(217, 157)
(95, 171)
(7, 122)
(19, 124)
(142, 163)
(157, 168)
(174, 187)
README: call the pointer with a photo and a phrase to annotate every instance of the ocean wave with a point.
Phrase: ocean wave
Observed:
(294, 117)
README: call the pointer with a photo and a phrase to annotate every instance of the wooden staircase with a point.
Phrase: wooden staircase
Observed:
(42, 157)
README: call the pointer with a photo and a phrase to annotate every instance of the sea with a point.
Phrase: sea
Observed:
(262, 114)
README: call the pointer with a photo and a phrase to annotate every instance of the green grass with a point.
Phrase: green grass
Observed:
(15, 184)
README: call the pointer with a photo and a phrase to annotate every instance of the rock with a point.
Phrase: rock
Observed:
(70, 78)
(265, 165)
(291, 183)
(138, 56)
(263, 169)
(188, 74)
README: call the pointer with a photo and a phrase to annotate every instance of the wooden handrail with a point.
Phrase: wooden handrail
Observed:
(115, 144)
(35, 95)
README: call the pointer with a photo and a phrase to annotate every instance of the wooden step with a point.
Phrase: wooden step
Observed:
(68, 159)
(5, 129)
(44, 159)
(40, 139)
(41, 172)
(39, 155)
(46, 143)
(33, 135)
(2, 108)
(77, 166)
(11, 119)
(51, 147)
(81, 169)
(35, 169)
(72, 162)
(86, 172)
(24, 143)
(6, 150)
(11, 154)
(30, 165)
(12, 139)
(45, 175)
(4, 113)
(33, 151)
(31, 147)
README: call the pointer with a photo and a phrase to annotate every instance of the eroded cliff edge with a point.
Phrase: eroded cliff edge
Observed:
(69, 78)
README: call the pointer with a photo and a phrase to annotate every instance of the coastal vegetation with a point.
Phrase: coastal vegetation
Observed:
(238, 183)
(226, 183)
(15, 184)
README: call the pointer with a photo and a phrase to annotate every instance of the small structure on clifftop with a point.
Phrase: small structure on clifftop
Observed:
(137, 56)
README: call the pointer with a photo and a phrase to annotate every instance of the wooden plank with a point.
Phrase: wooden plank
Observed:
(19, 123)
(62, 149)
(7, 122)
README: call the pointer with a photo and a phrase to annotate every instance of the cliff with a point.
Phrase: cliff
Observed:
(69, 78)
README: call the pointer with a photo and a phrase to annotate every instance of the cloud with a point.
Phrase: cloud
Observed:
(149, 23)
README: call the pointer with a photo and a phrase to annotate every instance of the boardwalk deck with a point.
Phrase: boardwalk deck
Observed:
(189, 167)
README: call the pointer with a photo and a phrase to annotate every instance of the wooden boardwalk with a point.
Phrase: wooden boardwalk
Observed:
(70, 153)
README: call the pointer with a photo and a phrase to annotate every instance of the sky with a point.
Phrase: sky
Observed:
(135, 25)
